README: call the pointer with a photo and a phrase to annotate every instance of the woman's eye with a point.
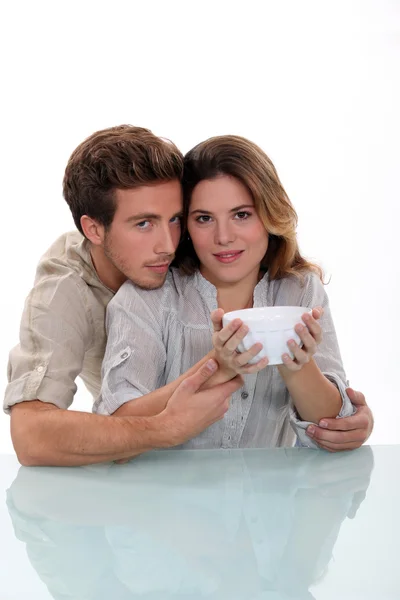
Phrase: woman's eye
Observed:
(243, 214)
(203, 219)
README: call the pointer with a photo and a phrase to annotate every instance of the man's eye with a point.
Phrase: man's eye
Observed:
(143, 225)
(176, 220)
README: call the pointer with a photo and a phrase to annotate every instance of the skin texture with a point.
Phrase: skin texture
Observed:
(144, 234)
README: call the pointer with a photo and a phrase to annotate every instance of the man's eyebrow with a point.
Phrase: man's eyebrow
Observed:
(147, 216)
(142, 217)
(236, 209)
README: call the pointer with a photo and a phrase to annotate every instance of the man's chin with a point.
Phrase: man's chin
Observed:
(153, 284)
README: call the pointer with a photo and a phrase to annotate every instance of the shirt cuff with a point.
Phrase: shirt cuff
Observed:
(108, 404)
(38, 385)
(299, 426)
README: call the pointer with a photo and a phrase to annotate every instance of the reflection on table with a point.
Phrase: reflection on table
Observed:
(252, 524)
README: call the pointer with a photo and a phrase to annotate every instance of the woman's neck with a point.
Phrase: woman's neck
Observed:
(236, 295)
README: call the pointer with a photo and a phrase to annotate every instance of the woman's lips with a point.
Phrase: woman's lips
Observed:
(228, 257)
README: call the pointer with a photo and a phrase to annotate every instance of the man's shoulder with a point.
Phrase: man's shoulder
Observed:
(61, 248)
(68, 254)
(62, 291)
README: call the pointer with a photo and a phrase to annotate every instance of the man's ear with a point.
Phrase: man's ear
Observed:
(92, 230)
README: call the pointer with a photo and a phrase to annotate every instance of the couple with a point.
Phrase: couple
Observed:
(236, 248)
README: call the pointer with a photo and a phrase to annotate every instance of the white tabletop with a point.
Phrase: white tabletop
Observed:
(234, 525)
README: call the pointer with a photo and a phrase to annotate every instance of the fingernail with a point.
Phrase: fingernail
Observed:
(211, 365)
(311, 430)
(323, 424)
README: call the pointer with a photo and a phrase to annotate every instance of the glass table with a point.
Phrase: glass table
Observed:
(220, 524)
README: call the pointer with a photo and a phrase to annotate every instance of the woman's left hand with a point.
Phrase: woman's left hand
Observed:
(310, 334)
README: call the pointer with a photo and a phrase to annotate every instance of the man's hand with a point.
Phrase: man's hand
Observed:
(191, 410)
(193, 407)
(347, 433)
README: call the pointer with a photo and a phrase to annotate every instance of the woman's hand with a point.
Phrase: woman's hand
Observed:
(311, 335)
(227, 339)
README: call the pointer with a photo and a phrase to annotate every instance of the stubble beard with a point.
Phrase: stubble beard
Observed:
(153, 282)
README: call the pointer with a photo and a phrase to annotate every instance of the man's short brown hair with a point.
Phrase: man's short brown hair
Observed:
(122, 157)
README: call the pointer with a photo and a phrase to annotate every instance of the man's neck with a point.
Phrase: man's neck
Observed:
(106, 271)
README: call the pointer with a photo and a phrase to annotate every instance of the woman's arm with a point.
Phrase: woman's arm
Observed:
(316, 379)
(313, 394)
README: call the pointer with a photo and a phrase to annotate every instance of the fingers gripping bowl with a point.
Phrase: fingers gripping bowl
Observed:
(272, 326)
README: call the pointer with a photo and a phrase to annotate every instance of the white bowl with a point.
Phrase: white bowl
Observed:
(272, 326)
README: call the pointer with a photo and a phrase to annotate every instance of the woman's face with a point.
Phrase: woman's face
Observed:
(227, 234)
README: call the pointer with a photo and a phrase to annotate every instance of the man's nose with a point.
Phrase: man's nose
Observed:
(165, 242)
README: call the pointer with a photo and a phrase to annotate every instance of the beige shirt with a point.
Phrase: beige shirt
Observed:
(62, 331)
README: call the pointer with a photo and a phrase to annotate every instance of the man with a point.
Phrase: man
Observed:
(123, 188)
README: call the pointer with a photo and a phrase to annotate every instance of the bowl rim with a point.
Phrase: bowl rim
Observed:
(256, 313)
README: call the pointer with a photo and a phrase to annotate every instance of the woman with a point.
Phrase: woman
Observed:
(238, 250)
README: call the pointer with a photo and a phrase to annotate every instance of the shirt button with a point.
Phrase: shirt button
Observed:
(244, 395)
(124, 355)
(39, 369)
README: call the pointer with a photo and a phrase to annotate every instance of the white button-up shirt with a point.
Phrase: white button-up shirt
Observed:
(156, 335)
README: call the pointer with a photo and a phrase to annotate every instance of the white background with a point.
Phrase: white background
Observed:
(315, 83)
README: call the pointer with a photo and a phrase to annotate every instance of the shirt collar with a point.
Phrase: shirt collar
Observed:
(208, 291)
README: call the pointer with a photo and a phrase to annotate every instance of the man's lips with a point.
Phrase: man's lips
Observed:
(160, 267)
(228, 256)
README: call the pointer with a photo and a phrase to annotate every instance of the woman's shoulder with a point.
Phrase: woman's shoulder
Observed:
(296, 290)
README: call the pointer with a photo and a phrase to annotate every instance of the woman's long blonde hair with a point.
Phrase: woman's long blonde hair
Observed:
(238, 157)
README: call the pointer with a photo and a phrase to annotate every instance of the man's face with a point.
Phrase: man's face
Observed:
(145, 232)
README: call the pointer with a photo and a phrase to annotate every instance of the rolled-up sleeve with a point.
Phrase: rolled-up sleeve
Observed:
(328, 358)
(135, 357)
(54, 333)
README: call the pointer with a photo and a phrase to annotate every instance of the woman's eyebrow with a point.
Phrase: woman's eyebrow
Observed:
(207, 212)
(199, 210)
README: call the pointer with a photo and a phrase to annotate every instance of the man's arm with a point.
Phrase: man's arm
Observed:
(155, 402)
(43, 434)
